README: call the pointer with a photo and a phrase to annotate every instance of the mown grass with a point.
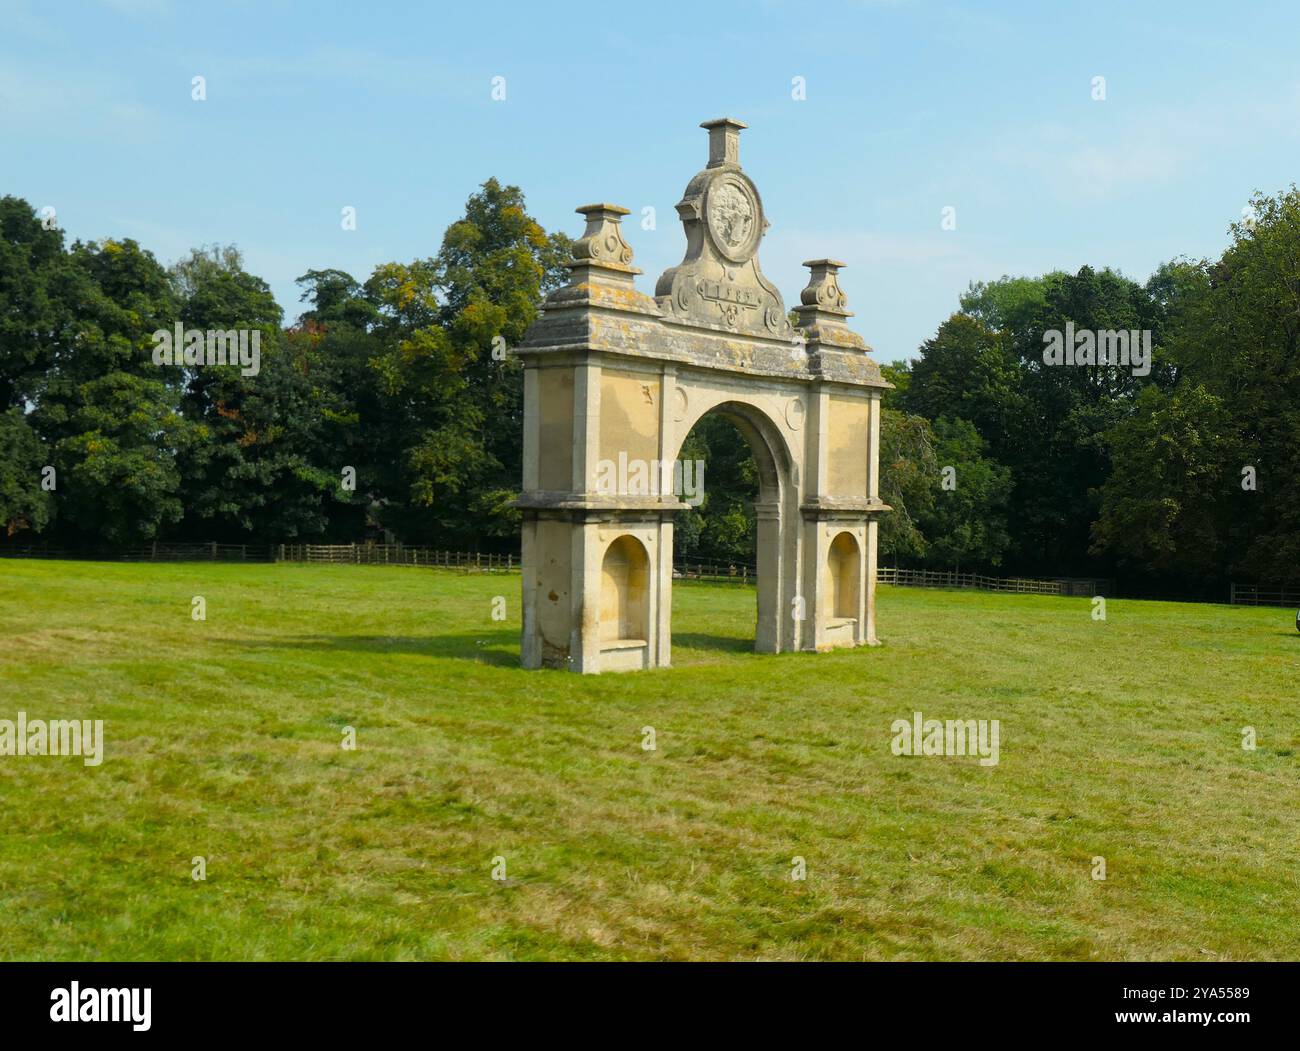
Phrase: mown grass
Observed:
(1120, 739)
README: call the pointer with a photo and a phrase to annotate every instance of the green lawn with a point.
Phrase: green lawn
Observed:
(1119, 738)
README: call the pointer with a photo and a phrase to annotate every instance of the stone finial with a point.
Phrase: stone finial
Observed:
(822, 316)
(724, 142)
(601, 246)
(823, 291)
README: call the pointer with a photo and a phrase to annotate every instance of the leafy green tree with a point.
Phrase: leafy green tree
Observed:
(908, 474)
(722, 528)
(447, 406)
(25, 506)
(118, 482)
(1206, 477)
(1163, 506)
(1044, 423)
(339, 332)
(265, 469)
(968, 370)
(898, 373)
(493, 270)
(966, 523)
(1010, 303)
(110, 415)
(36, 311)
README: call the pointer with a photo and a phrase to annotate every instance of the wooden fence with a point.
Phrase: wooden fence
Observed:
(398, 555)
(738, 573)
(685, 569)
(1264, 595)
(155, 552)
(939, 578)
(716, 573)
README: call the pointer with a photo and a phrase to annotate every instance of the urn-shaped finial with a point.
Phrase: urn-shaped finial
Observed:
(601, 246)
(823, 290)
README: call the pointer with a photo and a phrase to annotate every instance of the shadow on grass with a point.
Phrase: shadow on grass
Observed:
(694, 640)
(499, 648)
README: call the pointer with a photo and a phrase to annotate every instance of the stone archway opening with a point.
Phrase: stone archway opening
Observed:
(717, 526)
(775, 484)
(718, 530)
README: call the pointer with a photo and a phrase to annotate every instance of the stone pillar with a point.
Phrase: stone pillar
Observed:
(869, 635)
(569, 523)
(843, 493)
(662, 556)
(772, 628)
(587, 554)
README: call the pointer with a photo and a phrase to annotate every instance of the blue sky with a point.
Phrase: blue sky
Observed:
(912, 106)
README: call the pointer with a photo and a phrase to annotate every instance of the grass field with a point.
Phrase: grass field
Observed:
(1120, 739)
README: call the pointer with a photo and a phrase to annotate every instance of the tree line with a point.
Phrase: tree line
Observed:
(1175, 478)
(382, 410)
(388, 407)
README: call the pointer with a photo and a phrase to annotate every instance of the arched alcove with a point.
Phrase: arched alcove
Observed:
(843, 591)
(624, 593)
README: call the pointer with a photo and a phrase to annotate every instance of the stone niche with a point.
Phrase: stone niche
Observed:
(614, 381)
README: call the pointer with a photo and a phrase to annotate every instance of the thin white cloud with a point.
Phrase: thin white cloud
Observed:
(75, 106)
(1143, 148)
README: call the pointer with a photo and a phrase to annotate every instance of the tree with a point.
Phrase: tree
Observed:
(908, 475)
(722, 527)
(110, 415)
(448, 405)
(1206, 477)
(36, 313)
(1043, 422)
(898, 373)
(1163, 507)
(25, 506)
(966, 521)
(268, 468)
(968, 370)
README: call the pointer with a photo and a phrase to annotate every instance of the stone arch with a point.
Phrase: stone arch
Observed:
(772, 453)
(776, 507)
(614, 379)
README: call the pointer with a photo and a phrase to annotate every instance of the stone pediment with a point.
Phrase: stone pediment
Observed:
(719, 284)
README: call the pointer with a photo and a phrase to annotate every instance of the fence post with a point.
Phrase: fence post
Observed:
(1232, 594)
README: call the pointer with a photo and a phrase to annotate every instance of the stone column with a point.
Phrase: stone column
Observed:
(661, 567)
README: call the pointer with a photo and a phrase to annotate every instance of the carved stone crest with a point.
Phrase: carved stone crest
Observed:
(734, 218)
(719, 283)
